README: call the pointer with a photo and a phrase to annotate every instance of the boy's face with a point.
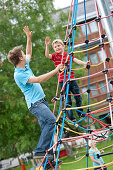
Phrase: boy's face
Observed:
(58, 47)
(94, 144)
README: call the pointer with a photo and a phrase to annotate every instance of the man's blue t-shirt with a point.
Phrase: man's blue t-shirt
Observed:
(93, 153)
(32, 91)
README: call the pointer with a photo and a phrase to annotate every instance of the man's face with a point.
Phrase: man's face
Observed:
(24, 57)
(58, 47)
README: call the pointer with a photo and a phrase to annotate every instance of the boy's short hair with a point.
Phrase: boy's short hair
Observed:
(14, 54)
(91, 142)
(57, 40)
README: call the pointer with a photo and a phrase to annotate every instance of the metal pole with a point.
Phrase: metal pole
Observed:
(107, 22)
(98, 156)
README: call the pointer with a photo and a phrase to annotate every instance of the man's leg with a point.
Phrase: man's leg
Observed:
(46, 121)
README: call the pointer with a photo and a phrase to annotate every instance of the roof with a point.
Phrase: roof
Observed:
(90, 10)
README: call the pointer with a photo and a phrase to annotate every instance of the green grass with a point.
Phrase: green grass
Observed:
(82, 163)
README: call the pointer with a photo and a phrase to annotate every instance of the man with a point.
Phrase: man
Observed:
(34, 95)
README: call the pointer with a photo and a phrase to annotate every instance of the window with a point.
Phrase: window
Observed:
(110, 87)
(102, 54)
(111, 51)
(94, 92)
(84, 90)
(85, 58)
(104, 89)
(78, 32)
(103, 24)
(94, 58)
(83, 28)
(93, 27)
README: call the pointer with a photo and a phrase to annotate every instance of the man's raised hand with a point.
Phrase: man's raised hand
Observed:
(27, 31)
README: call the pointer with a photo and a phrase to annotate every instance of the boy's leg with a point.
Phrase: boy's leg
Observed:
(70, 112)
(74, 88)
(69, 103)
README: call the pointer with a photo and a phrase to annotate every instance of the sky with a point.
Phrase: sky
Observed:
(62, 3)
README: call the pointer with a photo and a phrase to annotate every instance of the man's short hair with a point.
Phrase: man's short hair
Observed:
(14, 54)
(57, 40)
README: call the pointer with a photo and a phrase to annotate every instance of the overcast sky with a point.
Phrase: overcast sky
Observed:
(63, 3)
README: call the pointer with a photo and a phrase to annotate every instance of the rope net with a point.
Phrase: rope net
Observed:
(88, 112)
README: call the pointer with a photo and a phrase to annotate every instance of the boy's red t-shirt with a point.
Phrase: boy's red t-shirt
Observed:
(57, 58)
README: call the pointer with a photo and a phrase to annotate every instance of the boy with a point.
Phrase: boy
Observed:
(93, 153)
(34, 95)
(56, 57)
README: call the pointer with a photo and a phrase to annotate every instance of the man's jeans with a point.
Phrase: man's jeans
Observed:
(74, 88)
(46, 120)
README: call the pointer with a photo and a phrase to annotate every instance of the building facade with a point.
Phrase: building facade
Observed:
(95, 29)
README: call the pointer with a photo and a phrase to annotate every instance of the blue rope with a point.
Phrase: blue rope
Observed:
(67, 88)
(61, 133)
(74, 20)
(50, 147)
(88, 75)
(102, 118)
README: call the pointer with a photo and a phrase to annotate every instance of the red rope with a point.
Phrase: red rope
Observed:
(102, 49)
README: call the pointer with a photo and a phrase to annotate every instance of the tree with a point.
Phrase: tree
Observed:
(19, 131)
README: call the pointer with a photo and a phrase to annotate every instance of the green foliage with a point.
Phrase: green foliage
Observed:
(18, 130)
(14, 117)
(19, 133)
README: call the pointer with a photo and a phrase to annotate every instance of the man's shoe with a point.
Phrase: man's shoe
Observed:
(39, 154)
(53, 163)
(60, 162)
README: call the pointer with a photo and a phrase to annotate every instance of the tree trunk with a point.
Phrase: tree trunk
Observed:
(68, 149)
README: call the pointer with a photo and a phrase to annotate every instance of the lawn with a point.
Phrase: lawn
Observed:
(78, 162)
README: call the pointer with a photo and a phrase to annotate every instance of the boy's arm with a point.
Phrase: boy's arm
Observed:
(47, 43)
(29, 44)
(80, 62)
(46, 76)
(96, 161)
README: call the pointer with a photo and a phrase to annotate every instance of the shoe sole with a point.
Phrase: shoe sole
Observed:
(58, 167)
(40, 157)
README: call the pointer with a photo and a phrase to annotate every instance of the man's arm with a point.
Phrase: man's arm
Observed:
(46, 76)
(47, 43)
(29, 44)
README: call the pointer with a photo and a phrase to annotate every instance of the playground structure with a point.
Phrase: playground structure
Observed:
(63, 123)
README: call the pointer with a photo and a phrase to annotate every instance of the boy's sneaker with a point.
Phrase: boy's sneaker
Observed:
(74, 120)
(53, 163)
(82, 115)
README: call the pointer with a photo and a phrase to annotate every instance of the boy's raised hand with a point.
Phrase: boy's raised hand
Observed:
(47, 41)
(27, 32)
